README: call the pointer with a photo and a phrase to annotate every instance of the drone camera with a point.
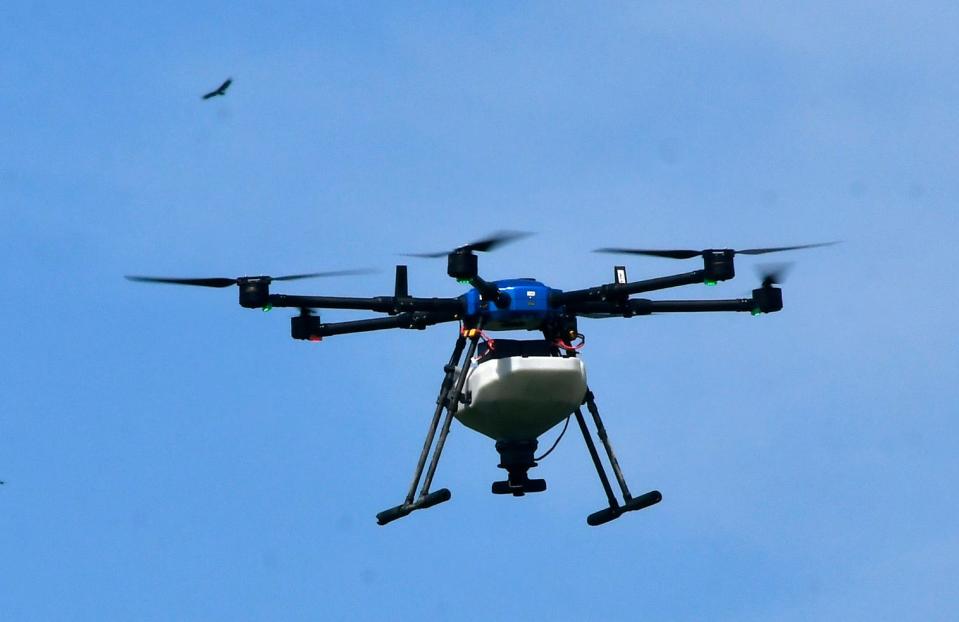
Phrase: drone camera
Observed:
(254, 291)
(718, 265)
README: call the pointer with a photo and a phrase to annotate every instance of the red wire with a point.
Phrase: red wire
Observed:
(490, 345)
(559, 343)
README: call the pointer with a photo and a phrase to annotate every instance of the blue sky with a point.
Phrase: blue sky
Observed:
(169, 455)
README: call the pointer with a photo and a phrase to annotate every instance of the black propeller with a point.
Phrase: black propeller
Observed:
(767, 298)
(225, 282)
(487, 244)
(773, 274)
(688, 254)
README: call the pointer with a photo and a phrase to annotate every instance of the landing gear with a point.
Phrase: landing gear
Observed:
(516, 457)
(448, 399)
(630, 503)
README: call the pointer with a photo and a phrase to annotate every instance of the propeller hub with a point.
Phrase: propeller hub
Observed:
(254, 291)
(462, 265)
(306, 325)
(768, 299)
(718, 264)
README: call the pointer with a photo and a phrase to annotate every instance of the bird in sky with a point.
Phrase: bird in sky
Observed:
(220, 90)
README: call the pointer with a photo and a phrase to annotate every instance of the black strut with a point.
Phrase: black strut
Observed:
(452, 405)
(440, 404)
(630, 503)
(595, 456)
(448, 398)
(604, 439)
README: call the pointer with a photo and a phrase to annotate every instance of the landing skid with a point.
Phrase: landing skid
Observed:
(448, 399)
(613, 512)
(630, 503)
(404, 509)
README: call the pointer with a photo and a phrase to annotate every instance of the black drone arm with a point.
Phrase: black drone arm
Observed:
(399, 302)
(643, 306)
(417, 320)
(383, 304)
(764, 300)
(489, 291)
(620, 291)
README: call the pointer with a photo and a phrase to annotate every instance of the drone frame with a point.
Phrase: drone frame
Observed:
(556, 317)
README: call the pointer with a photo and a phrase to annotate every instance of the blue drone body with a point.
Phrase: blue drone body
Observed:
(528, 308)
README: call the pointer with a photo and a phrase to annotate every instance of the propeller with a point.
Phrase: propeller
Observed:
(773, 274)
(688, 254)
(226, 282)
(487, 244)
(766, 298)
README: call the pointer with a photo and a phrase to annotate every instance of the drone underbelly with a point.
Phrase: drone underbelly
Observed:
(520, 398)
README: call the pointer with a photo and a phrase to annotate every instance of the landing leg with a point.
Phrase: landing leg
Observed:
(448, 399)
(630, 503)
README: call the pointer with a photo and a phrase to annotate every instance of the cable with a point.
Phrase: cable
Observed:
(556, 442)
(490, 346)
(559, 343)
(474, 362)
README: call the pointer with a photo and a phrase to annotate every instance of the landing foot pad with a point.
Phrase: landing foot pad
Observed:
(636, 503)
(426, 501)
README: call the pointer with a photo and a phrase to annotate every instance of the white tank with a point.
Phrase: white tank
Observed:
(518, 398)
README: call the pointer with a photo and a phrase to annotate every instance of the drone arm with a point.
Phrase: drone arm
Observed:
(644, 306)
(490, 292)
(383, 304)
(419, 320)
(618, 291)
(429, 305)
(329, 302)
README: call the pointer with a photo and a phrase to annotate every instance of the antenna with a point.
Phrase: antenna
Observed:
(402, 289)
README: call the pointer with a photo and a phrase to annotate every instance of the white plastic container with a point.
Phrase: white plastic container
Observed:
(519, 398)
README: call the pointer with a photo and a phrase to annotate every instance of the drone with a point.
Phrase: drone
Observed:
(511, 390)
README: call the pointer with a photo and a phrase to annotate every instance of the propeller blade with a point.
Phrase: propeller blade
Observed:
(312, 275)
(762, 251)
(689, 254)
(497, 239)
(211, 282)
(487, 244)
(672, 254)
(773, 274)
(425, 255)
(225, 282)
